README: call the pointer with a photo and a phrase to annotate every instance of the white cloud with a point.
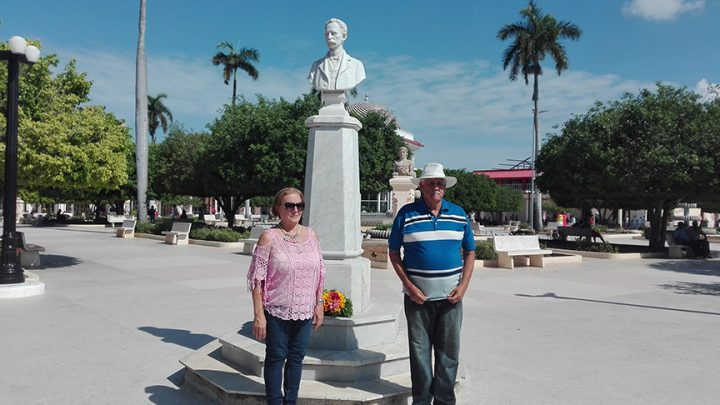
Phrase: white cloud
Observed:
(467, 113)
(661, 10)
(708, 91)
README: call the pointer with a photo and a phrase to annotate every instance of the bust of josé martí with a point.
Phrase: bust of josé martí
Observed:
(336, 70)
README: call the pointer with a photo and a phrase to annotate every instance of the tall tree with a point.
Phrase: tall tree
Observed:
(232, 61)
(535, 36)
(378, 145)
(67, 150)
(646, 151)
(159, 116)
(141, 119)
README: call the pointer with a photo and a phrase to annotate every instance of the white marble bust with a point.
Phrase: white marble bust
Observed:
(336, 70)
(404, 166)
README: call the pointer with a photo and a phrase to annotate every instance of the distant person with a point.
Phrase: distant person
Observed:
(336, 70)
(183, 214)
(698, 240)
(151, 214)
(680, 234)
(286, 277)
(435, 269)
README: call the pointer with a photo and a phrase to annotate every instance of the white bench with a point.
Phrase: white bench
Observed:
(179, 234)
(210, 219)
(508, 247)
(115, 219)
(477, 229)
(249, 244)
(127, 230)
(552, 229)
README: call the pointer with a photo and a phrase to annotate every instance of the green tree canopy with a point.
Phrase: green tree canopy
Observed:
(159, 116)
(66, 150)
(647, 151)
(378, 145)
(472, 192)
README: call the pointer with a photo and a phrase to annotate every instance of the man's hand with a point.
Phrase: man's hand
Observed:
(260, 327)
(318, 316)
(415, 294)
(457, 294)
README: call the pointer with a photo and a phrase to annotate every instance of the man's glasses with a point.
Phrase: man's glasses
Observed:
(290, 206)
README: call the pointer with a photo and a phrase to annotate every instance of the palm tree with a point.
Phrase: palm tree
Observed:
(232, 61)
(534, 37)
(141, 116)
(158, 115)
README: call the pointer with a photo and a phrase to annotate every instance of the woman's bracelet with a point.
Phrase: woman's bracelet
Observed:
(319, 301)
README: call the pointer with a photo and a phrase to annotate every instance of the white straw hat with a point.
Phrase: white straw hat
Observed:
(435, 171)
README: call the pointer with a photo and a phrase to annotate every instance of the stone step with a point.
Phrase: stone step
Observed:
(247, 354)
(214, 378)
(377, 325)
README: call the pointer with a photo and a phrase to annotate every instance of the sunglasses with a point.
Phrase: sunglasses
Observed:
(299, 206)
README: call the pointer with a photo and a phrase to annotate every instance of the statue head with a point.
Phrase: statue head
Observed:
(402, 153)
(335, 33)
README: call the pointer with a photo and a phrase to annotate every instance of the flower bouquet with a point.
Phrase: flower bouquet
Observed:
(336, 304)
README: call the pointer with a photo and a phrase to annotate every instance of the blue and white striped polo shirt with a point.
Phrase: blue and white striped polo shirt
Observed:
(432, 245)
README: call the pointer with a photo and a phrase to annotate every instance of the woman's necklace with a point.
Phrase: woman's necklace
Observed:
(289, 237)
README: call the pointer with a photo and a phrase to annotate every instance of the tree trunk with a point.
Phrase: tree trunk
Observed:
(141, 120)
(659, 216)
(234, 86)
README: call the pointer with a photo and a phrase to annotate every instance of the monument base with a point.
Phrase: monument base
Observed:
(403, 192)
(352, 278)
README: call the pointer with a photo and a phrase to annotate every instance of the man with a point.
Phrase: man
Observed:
(435, 273)
(337, 70)
(698, 240)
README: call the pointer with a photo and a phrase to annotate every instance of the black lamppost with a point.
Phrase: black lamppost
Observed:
(19, 52)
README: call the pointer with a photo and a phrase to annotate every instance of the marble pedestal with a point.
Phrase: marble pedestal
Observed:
(332, 194)
(403, 192)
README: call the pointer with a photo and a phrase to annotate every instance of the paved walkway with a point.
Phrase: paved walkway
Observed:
(119, 313)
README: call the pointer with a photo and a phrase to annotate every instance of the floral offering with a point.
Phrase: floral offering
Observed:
(336, 304)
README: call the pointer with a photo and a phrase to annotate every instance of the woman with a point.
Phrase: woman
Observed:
(286, 278)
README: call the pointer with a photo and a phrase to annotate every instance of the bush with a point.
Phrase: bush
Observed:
(383, 227)
(153, 229)
(586, 246)
(215, 234)
(600, 228)
(484, 250)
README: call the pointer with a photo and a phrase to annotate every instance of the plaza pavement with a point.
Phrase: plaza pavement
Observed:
(118, 314)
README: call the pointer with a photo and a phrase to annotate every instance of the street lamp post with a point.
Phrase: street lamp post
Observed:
(19, 52)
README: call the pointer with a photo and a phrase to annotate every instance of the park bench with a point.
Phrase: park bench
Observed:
(552, 229)
(509, 247)
(477, 229)
(115, 219)
(127, 229)
(677, 250)
(179, 234)
(512, 226)
(209, 219)
(29, 253)
(250, 243)
(580, 232)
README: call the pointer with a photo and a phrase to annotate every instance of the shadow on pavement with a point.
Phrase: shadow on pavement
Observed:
(559, 297)
(179, 337)
(694, 288)
(690, 266)
(57, 261)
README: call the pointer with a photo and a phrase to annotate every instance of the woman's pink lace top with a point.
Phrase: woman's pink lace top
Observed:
(293, 275)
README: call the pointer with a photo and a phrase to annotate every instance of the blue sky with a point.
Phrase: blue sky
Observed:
(436, 65)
